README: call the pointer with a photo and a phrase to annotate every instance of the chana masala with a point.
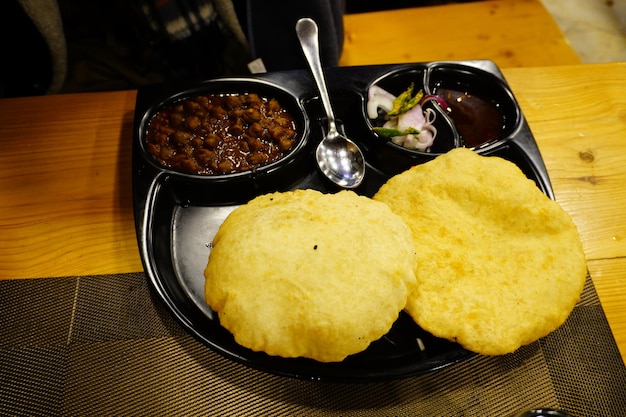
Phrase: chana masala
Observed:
(220, 134)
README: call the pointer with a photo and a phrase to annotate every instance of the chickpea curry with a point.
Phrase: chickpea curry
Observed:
(220, 134)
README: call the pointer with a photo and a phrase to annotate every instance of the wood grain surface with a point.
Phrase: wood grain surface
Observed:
(512, 33)
(65, 187)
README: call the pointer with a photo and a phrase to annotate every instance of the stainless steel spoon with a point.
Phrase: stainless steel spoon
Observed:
(338, 157)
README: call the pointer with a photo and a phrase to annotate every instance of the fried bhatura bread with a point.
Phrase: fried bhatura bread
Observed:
(306, 274)
(500, 265)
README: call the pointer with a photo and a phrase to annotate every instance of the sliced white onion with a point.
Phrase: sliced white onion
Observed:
(414, 118)
(378, 98)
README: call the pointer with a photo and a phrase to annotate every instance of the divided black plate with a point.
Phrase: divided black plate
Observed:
(176, 215)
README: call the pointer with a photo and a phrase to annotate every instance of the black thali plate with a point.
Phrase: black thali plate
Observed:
(176, 214)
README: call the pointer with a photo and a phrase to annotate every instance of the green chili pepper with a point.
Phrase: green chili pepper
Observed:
(405, 101)
(390, 133)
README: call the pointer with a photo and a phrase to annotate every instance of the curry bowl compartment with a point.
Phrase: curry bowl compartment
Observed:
(382, 152)
(480, 112)
(481, 106)
(228, 134)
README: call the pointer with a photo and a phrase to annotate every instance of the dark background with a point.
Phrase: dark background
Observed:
(110, 48)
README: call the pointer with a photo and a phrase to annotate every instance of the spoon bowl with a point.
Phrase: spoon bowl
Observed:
(338, 158)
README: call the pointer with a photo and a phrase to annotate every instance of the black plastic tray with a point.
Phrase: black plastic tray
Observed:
(176, 214)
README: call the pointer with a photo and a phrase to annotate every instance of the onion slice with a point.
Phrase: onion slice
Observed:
(413, 118)
(436, 99)
(378, 97)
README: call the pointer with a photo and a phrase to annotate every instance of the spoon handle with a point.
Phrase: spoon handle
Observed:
(307, 32)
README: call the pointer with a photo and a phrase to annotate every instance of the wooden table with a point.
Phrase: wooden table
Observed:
(65, 181)
(512, 33)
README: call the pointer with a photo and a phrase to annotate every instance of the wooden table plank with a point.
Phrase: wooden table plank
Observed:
(512, 33)
(67, 203)
(578, 116)
(576, 113)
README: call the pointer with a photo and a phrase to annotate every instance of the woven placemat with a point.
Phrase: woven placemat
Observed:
(104, 345)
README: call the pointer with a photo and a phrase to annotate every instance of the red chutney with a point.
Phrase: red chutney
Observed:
(477, 120)
(220, 134)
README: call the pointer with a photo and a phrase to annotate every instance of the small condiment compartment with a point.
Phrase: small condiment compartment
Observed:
(177, 213)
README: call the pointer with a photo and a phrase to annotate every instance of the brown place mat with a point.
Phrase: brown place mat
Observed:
(104, 345)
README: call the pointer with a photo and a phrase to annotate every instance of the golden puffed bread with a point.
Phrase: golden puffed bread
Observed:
(306, 274)
(500, 265)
